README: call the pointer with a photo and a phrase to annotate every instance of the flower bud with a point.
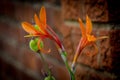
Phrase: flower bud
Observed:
(33, 44)
(49, 78)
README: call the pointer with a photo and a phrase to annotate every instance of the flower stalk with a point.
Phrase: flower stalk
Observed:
(63, 54)
(45, 64)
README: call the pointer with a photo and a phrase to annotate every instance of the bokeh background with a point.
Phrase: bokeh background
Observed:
(18, 62)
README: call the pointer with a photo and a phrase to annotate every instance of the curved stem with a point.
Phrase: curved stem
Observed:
(46, 65)
(63, 55)
(62, 52)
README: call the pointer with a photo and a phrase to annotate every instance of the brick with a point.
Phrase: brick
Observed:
(24, 12)
(7, 8)
(9, 29)
(10, 70)
(29, 59)
(68, 46)
(65, 30)
(84, 73)
(71, 9)
(54, 54)
(18, 11)
(11, 49)
(53, 2)
(115, 43)
(75, 36)
(54, 18)
(96, 10)
(114, 11)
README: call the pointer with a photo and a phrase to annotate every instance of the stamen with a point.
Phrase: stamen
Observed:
(102, 37)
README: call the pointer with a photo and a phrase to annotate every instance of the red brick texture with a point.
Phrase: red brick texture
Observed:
(18, 62)
(97, 10)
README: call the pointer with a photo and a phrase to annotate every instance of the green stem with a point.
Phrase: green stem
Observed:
(63, 55)
(62, 52)
(46, 65)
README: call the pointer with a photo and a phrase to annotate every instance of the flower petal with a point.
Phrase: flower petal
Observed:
(88, 25)
(41, 27)
(40, 48)
(29, 28)
(83, 31)
(42, 16)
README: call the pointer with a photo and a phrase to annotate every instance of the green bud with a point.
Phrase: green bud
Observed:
(33, 44)
(49, 78)
(41, 44)
(36, 27)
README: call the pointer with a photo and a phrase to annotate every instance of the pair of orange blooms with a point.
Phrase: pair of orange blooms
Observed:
(44, 31)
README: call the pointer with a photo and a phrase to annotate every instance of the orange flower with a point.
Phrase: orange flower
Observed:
(87, 38)
(42, 28)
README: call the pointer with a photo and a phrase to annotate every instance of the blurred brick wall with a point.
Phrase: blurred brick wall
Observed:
(17, 61)
(105, 19)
